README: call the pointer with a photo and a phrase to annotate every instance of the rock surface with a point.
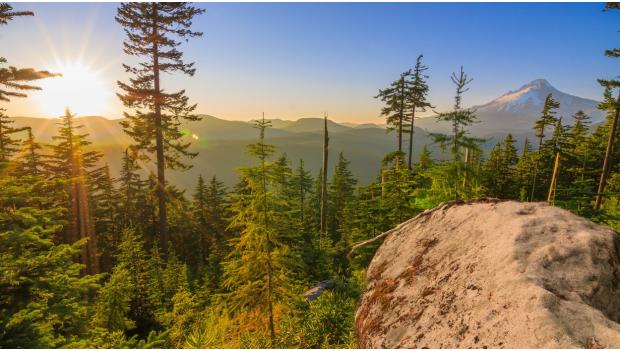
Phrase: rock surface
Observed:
(496, 274)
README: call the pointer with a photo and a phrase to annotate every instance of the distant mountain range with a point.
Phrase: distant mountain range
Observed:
(221, 143)
(516, 111)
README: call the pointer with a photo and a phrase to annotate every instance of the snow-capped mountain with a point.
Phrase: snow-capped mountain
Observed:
(517, 110)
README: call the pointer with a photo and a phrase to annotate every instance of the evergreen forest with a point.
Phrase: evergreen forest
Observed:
(92, 259)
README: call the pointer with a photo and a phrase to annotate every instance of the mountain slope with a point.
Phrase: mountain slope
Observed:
(516, 111)
(221, 144)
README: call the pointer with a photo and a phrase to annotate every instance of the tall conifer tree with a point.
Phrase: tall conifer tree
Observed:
(417, 93)
(72, 161)
(459, 119)
(154, 32)
(395, 99)
(547, 118)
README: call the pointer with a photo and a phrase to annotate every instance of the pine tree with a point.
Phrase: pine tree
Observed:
(397, 187)
(135, 269)
(256, 272)
(130, 189)
(577, 168)
(154, 31)
(547, 118)
(218, 215)
(459, 118)
(41, 289)
(315, 265)
(323, 180)
(395, 99)
(8, 145)
(13, 80)
(501, 171)
(426, 161)
(71, 160)
(341, 192)
(31, 162)
(417, 93)
(613, 106)
(210, 210)
(104, 199)
(524, 169)
(492, 168)
(199, 209)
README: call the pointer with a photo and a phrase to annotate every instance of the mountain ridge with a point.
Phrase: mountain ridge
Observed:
(517, 110)
(222, 143)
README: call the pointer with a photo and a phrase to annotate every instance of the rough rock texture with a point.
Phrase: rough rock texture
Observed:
(497, 274)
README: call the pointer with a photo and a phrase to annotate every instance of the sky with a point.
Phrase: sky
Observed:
(295, 60)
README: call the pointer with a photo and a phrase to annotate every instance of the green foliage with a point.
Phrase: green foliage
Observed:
(459, 119)
(327, 322)
(41, 289)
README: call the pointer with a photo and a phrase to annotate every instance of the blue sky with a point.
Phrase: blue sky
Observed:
(299, 60)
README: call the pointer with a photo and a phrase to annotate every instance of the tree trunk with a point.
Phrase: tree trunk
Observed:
(401, 115)
(606, 162)
(159, 140)
(2, 151)
(272, 332)
(554, 180)
(411, 136)
(324, 180)
(536, 169)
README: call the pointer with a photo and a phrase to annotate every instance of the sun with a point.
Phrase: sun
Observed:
(81, 88)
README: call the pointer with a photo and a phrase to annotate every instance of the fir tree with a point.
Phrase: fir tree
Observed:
(323, 180)
(613, 106)
(104, 198)
(135, 269)
(426, 160)
(13, 80)
(41, 288)
(395, 99)
(154, 31)
(417, 93)
(31, 161)
(341, 192)
(210, 210)
(8, 145)
(256, 271)
(199, 209)
(547, 118)
(524, 169)
(71, 160)
(459, 118)
(130, 189)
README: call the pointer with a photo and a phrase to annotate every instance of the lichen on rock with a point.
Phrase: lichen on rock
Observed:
(496, 274)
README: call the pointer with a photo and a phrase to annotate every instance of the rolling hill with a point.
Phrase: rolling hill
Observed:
(222, 144)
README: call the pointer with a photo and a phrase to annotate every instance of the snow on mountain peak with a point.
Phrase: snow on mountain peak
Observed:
(530, 95)
(540, 84)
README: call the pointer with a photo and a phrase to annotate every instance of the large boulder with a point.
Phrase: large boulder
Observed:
(496, 274)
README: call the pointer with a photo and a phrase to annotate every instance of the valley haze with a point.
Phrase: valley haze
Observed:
(222, 143)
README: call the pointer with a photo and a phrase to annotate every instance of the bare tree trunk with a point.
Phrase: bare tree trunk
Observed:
(324, 180)
(401, 115)
(411, 137)
(554, 180)
(606, 162)
(466, 163)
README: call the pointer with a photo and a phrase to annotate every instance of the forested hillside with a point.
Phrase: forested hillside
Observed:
(111, 252)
